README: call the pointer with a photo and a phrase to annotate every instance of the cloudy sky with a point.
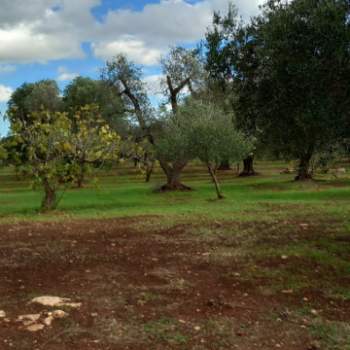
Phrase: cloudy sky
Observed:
(60, 39)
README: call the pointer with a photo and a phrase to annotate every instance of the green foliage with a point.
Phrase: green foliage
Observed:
(56, 146)
(91, 142)
(202, 130)
(33, 97)
(85, 91)
(221, 47)
(126, 78)
(172, 141)
(213, 138)
(288, 70)
(3, 152)
(298, 74)
(182, 68)
(43, 141)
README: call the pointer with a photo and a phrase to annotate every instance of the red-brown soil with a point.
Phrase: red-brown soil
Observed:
(142, 289)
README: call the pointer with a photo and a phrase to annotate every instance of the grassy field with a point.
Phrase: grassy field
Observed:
(122, 193)
(267, 267)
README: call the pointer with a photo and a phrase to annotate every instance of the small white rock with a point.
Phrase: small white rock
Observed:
(53, 301)
(2, 314)
(59, 314)
(28, 319)
(48, 321)
(35, 327)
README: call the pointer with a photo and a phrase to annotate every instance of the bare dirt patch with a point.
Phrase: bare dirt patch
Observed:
(148, 289)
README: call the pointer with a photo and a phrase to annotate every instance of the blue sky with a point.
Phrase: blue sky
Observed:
(60, 39)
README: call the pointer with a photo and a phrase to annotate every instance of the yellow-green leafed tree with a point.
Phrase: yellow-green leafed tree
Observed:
(92, 142)
(57, 145)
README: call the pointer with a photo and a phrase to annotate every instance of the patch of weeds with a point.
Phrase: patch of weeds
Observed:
(331, 335)
(166, 330)
(147, 297)
(304, 311)
(222, 330)
(118, 332)
(225, 255)
(311, 253)
(339, 293)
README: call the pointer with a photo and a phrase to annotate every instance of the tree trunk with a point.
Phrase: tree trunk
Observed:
(173, 173)
(49, 201)
(248, 167)
(149, 170)
(136, 161)
(304, 168)
(216, 183)
(81, 176)
(225, 165)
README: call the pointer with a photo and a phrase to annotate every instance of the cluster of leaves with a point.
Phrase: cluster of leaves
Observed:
(91, 143)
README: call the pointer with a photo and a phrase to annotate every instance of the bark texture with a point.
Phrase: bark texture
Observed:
(50, 199)
(216, 182)
(304, 172)
(248, 167)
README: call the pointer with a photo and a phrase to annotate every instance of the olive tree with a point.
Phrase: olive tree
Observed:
(126, 78)
(208, 133)
(292, 76)
(33, 97)
(83, 91)
(183, 77)
(223, 44)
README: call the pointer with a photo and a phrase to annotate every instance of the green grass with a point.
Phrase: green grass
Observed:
(165, 330)
(332, 335)
(122, 193)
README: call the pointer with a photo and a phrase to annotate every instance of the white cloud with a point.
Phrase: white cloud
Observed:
(136, 50)
(64, 74)
(5, 93)
(39, 33)
(22, 45)
(54, 29)
(145, 35)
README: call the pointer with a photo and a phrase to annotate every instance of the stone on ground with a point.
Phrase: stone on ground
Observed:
(28, 319)
(54, 301)
(35, 327)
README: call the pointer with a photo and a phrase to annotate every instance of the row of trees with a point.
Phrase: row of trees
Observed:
(279, 83)
(57, 140)
(287, 72)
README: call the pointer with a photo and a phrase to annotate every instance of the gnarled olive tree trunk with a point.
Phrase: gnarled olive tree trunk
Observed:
(173, 173)
(49, 201)
(248, 166)
(304, 172)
